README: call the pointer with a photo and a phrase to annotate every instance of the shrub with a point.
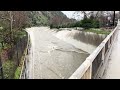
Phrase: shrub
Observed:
(51, 26)
(9, 69)
(17, 73)
(95, 24)
(89, 23)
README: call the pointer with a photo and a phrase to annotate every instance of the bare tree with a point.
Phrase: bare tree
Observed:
(20, 19)
(87, 14)
(12, 21)
(7, 16)
(11, 24)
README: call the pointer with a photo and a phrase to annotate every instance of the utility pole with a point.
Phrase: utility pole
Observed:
(113, 18)
(119, 14)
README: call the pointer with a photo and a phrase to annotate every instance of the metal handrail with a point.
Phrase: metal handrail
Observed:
(79, 73)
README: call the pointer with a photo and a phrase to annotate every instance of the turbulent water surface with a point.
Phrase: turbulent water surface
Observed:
(59, 54)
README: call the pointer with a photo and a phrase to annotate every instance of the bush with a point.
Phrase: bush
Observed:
(18, 34)
(85, 23)
(89, 23)
(9, 69)
(51, 26)
(17, 73)
(95, 24)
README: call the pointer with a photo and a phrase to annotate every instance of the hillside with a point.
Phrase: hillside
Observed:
(45, 17)
(34, 18)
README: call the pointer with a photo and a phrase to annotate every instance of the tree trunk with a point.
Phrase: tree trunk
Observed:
(1, 69)
(11, 24)
(85, 15)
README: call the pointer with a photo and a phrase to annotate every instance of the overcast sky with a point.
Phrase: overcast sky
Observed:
(69, 14)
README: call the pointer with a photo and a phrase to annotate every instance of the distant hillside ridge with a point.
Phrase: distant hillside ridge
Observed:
(46, 17)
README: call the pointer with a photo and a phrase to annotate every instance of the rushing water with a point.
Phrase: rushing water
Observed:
(59, 54)
(87, 41)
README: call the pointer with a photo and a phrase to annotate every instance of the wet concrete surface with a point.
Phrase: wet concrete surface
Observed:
(113, 68)
(54, 56)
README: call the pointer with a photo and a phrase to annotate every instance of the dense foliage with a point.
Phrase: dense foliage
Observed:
(89, 23)
(9, 69)
(85, 23)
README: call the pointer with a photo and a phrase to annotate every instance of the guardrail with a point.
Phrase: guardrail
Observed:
(94, 65)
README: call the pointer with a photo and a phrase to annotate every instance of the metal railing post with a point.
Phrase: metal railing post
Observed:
(103, 54)
(118, 22)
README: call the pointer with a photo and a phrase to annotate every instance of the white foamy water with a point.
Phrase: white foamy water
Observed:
(67, 36)
(30, 64)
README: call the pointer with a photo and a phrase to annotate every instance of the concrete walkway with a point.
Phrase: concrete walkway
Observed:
(113, 68)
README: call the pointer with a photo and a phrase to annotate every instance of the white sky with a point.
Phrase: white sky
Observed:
(69, 14)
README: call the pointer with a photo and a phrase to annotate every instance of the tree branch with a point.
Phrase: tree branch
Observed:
(4, 18)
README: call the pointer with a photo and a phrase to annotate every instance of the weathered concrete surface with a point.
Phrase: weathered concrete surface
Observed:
(113, 68)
